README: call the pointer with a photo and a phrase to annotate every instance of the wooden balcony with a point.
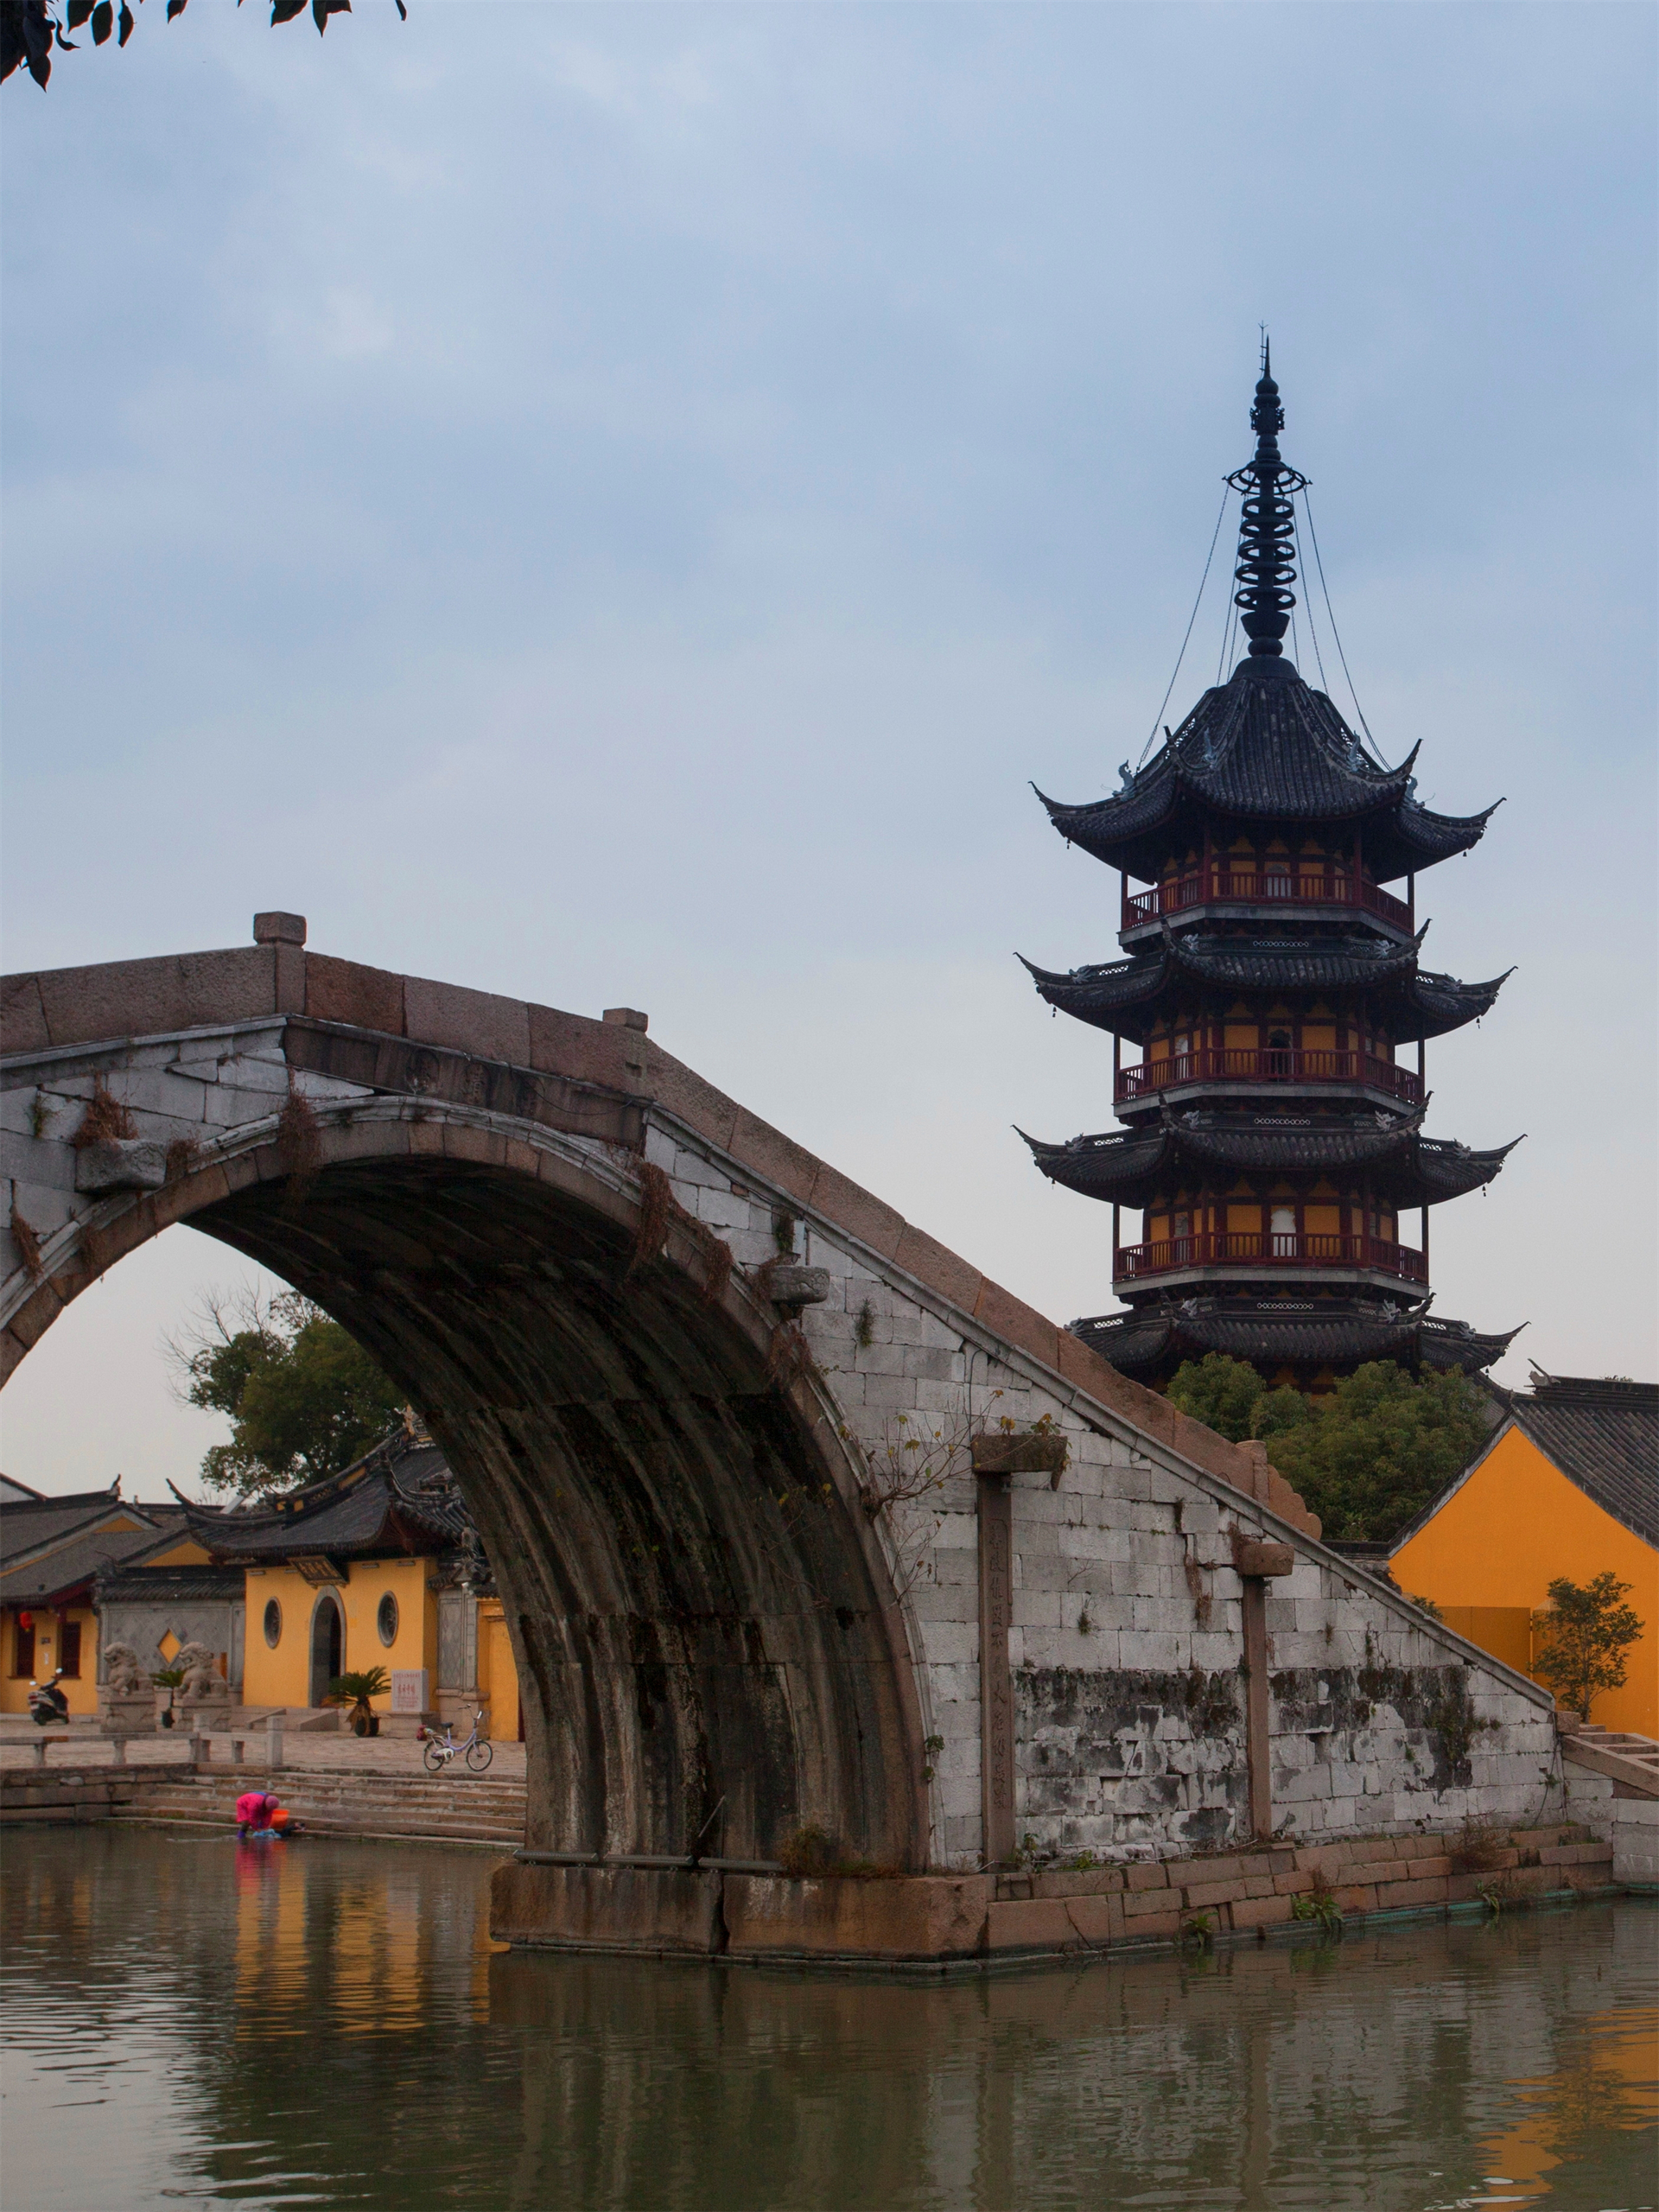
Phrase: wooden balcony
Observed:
(1258, 1247)
(1272, 1064)
(1218, 886)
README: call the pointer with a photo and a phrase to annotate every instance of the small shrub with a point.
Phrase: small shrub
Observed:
(1317, 1904)
(1478, 1846)
(1586, 1634)
(1197, 1931)
(864, 1326)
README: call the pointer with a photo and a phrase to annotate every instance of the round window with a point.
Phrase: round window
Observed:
(273, 1622)
(386, 1619)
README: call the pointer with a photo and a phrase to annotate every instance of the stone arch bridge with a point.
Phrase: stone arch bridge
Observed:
(742, 1606)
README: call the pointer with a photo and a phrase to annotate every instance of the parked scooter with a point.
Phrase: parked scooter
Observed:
(47, 1705)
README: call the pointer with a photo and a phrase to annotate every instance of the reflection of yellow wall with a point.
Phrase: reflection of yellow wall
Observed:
(13, 1688)
(1502, 1537)
(283, 1675)
(498, 1672)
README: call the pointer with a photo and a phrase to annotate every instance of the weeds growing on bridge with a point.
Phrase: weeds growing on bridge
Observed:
(661, 1212)
(299, 1148)
(105, 1120)
(27, 1239)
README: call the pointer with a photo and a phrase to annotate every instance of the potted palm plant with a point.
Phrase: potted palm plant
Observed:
(356, 1690)
(168, 1678)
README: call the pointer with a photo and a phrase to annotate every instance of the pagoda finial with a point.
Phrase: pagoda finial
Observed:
(1265, 570)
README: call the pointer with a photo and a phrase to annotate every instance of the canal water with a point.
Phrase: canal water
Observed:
(192, 2021)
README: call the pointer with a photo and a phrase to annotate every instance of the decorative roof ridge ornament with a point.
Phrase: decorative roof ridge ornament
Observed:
(1265, 570)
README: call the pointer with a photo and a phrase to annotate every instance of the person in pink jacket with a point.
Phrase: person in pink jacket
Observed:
(255, 1810)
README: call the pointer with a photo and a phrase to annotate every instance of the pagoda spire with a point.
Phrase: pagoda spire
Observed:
(1265, 570)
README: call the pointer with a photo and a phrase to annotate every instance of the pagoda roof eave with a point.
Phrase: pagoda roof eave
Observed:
(1272, 1333)
(1124, 997)
(1266, 747)
(1127, 1167)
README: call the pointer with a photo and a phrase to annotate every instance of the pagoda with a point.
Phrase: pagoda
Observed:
(1274, 1000)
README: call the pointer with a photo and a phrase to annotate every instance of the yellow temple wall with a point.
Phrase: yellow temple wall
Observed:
(282, 1675)
(1487, 1559)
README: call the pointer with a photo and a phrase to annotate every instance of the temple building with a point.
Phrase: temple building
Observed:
(1277, 1010)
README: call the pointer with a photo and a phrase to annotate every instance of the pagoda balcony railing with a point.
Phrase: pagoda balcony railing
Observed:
(1279, 1248)
(1273, 1065)
(1260, 887)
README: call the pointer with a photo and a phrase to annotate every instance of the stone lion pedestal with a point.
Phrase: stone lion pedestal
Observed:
(202, 1702)
(126, 1697)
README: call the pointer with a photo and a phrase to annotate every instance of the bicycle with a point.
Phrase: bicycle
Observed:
(478, 1751)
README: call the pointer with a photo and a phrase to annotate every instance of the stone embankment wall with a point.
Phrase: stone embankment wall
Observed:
(1150, 1651)
(982, 1917)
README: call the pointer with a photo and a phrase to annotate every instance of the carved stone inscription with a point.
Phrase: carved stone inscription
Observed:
(996, 1682)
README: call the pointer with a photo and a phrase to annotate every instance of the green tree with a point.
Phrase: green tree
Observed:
(1586, 1633)
(1381, 1447)
(303, 1398)
(1221, 1392)
(1365, 1458)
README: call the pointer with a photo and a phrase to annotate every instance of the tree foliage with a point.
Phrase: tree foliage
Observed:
(1222, 1393)
(1585, 1633)
(1366, 1458)
(304, 1399)
(30, 32)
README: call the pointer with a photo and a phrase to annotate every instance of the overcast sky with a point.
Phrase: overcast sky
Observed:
(612, 504)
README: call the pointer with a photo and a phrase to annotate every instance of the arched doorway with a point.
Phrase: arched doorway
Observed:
(327, 1647)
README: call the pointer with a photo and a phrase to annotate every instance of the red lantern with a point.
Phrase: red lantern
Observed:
(25, 1619)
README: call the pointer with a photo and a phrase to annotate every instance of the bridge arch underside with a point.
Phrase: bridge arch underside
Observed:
(704, 1656)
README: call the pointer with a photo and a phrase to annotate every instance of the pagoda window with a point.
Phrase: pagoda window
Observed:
(1277, 881)
(1281, 1233)
(1279, 1051)
(1181, 1239)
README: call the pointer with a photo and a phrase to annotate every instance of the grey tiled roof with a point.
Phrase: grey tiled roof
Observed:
(37, 1579)
(1270, 1333)
(1127, 995)
(1605, 1437)
(401, 1496)
(1131, 1166)
(1266, 746)
(26, 1526)
(141, 1585)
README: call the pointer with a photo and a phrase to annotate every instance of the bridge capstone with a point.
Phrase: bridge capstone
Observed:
(715, 1409)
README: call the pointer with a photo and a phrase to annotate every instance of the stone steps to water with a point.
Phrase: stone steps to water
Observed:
(1630, 1762)
(443, 1809)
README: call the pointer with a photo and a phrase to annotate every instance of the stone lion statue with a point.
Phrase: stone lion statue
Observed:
(203, 1684)
(123, 1676)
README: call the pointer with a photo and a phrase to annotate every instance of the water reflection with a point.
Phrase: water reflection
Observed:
(329, 2022)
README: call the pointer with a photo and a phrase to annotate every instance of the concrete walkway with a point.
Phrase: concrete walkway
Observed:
(322, 1754)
